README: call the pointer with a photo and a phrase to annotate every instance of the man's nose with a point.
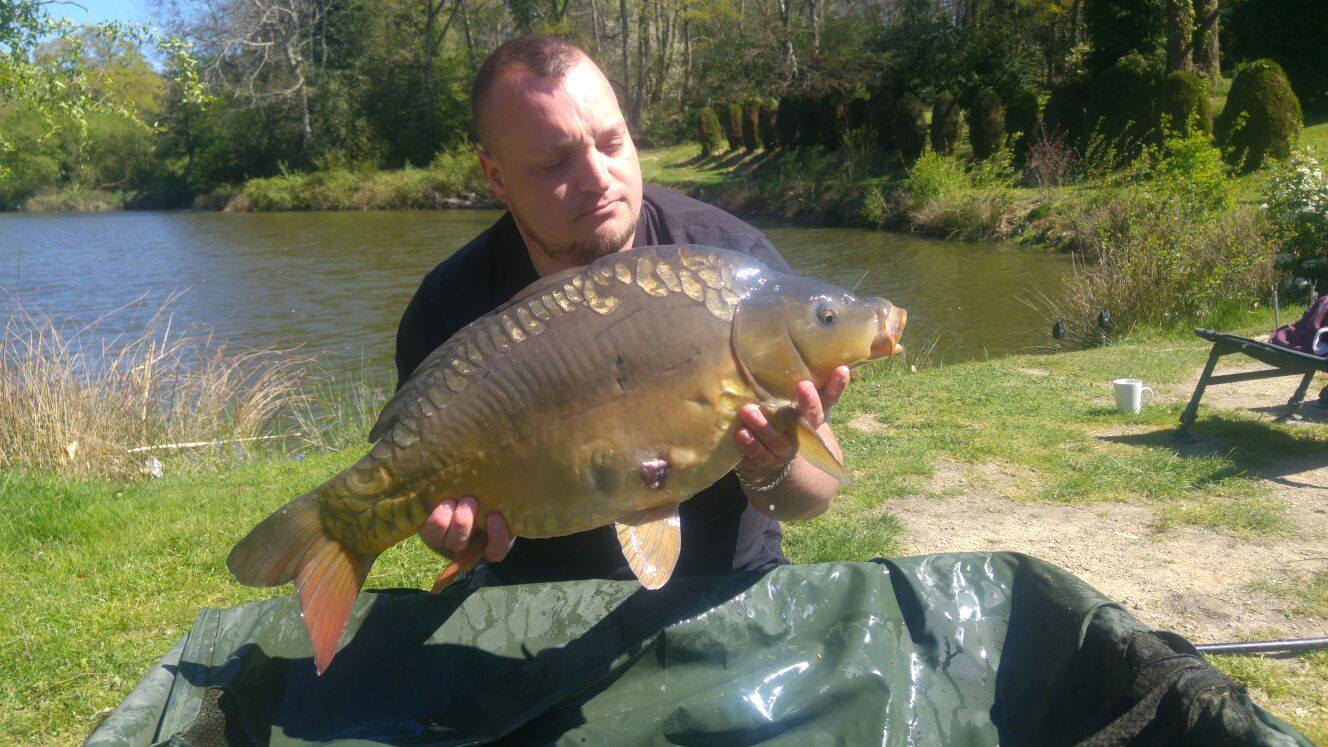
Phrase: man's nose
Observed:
(594, 173)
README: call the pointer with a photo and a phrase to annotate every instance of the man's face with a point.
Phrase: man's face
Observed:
(561, 159)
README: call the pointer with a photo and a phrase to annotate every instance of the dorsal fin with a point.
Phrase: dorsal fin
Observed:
(650, 541)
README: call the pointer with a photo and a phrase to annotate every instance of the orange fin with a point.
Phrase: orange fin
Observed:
(650, 542)
(291, 545)
(464, 561)
(329, 580)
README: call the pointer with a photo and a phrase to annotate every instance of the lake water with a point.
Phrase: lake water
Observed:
(335, 284)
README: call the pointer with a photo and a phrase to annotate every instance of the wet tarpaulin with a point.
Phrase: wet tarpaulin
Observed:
(952, 649)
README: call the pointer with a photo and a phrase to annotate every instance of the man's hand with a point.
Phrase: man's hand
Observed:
(765, 450)
(451, 527)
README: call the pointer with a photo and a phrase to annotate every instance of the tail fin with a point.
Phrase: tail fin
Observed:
(291, 545)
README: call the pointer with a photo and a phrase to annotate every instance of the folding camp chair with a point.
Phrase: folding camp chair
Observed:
(1284, 362)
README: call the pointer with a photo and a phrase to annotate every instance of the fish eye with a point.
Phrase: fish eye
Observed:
(825, 313)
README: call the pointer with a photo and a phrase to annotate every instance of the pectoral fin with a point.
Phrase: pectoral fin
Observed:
(811, 446)
(650, 541)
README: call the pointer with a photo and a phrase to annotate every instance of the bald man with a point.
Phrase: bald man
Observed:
(555, 148)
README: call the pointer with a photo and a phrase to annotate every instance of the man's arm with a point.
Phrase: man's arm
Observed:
(805, 491)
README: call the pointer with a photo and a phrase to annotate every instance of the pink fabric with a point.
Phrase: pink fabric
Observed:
(1300, 334)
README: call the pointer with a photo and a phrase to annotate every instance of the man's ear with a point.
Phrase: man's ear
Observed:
(493, 173)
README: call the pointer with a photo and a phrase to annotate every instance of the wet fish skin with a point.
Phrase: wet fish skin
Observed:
(604, 394)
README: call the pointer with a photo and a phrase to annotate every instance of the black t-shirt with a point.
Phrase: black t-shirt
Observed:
(720, 531)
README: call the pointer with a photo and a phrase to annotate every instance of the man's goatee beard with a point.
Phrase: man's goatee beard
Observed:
(578, 254)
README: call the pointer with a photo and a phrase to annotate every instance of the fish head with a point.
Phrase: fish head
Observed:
(793, 329)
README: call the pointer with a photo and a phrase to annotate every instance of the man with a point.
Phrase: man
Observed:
(556, 150)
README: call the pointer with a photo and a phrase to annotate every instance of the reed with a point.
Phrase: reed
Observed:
(75, 399)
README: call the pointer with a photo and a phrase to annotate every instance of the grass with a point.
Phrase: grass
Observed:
(1296, 690)
(74, 198)
(453, 176)
(103, 575)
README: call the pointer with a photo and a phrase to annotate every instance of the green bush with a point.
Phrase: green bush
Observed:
(1292, 32)
(1065, 115)
(986, 124)
(766, 126)
(809, 121)
(933, 176)
(29, 161)
(910, 126)
(1183, 104)
(1121, 102)
(733, 125)
(786, 121)
(1023, 121)
(1296, 200)
(947, 126)
(881, 119)
(709, 132)
(751, 118)
(1191, 169)
(1261, 116)
(830, 127)
(1149, 260)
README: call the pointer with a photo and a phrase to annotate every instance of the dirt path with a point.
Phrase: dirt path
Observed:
(1192, 580)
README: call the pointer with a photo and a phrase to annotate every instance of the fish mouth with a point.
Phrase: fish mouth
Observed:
(890, 320)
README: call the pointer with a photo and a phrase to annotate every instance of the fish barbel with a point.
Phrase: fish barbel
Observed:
(605, 394)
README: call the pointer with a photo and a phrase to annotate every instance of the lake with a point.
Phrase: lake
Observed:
(335, 283)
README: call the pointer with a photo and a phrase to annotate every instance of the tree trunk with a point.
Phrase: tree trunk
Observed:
(790, 57)
(642, 54)
(686, 59)
(816, 9)
(1180, 33)
(1206, 53)
(594, 27)
(624, 30)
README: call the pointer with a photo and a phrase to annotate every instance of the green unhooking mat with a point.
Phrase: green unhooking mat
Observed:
(949, 649)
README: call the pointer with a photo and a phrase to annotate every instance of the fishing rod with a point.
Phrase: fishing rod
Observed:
(1287, 647)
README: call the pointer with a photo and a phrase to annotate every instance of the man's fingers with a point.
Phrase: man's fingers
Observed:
(834, 387)
(500, 539)
(756, 422)
(809, 404)
(463, 523)
(754, 452)
(435, 527)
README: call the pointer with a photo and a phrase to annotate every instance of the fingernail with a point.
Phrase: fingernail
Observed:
(493, 522)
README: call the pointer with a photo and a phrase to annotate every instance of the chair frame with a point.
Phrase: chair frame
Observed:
(1284, 362)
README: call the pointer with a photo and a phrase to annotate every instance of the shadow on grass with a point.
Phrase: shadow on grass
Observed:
(1259, 448)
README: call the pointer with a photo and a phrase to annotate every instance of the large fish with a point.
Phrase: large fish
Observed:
(606, 394)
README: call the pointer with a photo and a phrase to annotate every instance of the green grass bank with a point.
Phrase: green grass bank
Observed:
(105, 575)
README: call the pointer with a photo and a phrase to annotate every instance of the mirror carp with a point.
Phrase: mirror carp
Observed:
(604, 394)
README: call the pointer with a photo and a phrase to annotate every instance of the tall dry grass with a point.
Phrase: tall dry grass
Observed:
(75, 399)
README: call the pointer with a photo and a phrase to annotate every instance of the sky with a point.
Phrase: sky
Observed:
(94, 11)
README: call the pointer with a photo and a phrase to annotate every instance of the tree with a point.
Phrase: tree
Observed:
(264, 50)
(1206, 50)
(1180, 35)
(986, 124)
(1118, 27)
(946, 124)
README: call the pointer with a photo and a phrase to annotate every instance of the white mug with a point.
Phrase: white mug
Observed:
(1130, 397)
